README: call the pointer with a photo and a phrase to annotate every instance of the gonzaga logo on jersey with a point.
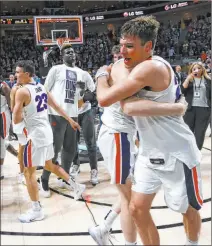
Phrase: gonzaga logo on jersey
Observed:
(71, 82)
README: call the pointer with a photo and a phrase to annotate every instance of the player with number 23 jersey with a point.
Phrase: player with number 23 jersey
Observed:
(36, 116)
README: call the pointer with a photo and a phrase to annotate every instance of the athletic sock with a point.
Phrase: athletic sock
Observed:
(36, 206)
(189, 242)
(109, 219)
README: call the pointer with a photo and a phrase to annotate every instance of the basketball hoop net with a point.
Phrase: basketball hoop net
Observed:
(61, 41)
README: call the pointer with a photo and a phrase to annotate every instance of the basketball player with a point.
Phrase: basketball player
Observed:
(118, 131)
(168, 154)
(30, 111)
(61, 81)
(5, 121)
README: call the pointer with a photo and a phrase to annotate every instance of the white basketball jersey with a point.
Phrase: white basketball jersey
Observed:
(166, 135)
(114, 118)
(3, 105)
(36, 116)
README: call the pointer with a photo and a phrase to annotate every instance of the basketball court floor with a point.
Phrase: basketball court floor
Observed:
(67, 221)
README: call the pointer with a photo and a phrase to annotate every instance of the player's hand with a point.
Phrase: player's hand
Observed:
(74, 125)
(184, 103)
(104, 71)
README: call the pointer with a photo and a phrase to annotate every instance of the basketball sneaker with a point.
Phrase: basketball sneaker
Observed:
(78, 190)
(99, 234)
(31, 215)
(94, 177)
(74, 171)
(63, 184)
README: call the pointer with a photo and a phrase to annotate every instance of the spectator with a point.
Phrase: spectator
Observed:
(203, 56)
(180, 76)
(197, 91)
(11, 81)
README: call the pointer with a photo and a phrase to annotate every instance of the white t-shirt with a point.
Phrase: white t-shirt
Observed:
(61, 81)
(89, 85)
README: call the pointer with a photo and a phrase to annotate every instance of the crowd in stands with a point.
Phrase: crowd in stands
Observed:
(61, 10)
(96, 50)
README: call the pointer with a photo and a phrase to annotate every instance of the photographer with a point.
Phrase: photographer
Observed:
(197, 91)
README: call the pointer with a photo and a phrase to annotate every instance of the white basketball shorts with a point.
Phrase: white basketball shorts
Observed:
(34, 156)
(22, 138)
(118, 151)
(182, 186)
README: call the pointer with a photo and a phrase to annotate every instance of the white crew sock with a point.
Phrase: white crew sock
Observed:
(109, 219)
(36, 206)
(189, 242)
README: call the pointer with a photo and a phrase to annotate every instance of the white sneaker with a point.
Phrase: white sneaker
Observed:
(44, 193)
(78, 190)
(94, 177)
(63, 185)
(74, 171)
(31, 215)
(99, 235)
(21, 179)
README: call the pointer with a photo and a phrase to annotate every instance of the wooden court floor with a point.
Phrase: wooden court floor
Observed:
(66, 221)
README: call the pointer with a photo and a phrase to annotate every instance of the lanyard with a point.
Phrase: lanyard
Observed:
(195, 86)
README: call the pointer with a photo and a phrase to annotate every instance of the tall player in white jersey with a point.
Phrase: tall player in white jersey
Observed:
(168, 154)
(118, 132)
(5, 120)
(30, 111)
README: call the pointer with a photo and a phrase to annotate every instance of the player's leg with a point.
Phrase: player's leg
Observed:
(88, 129)
(32, 158)
(58, 128)
(144, 189)
(60, 172)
